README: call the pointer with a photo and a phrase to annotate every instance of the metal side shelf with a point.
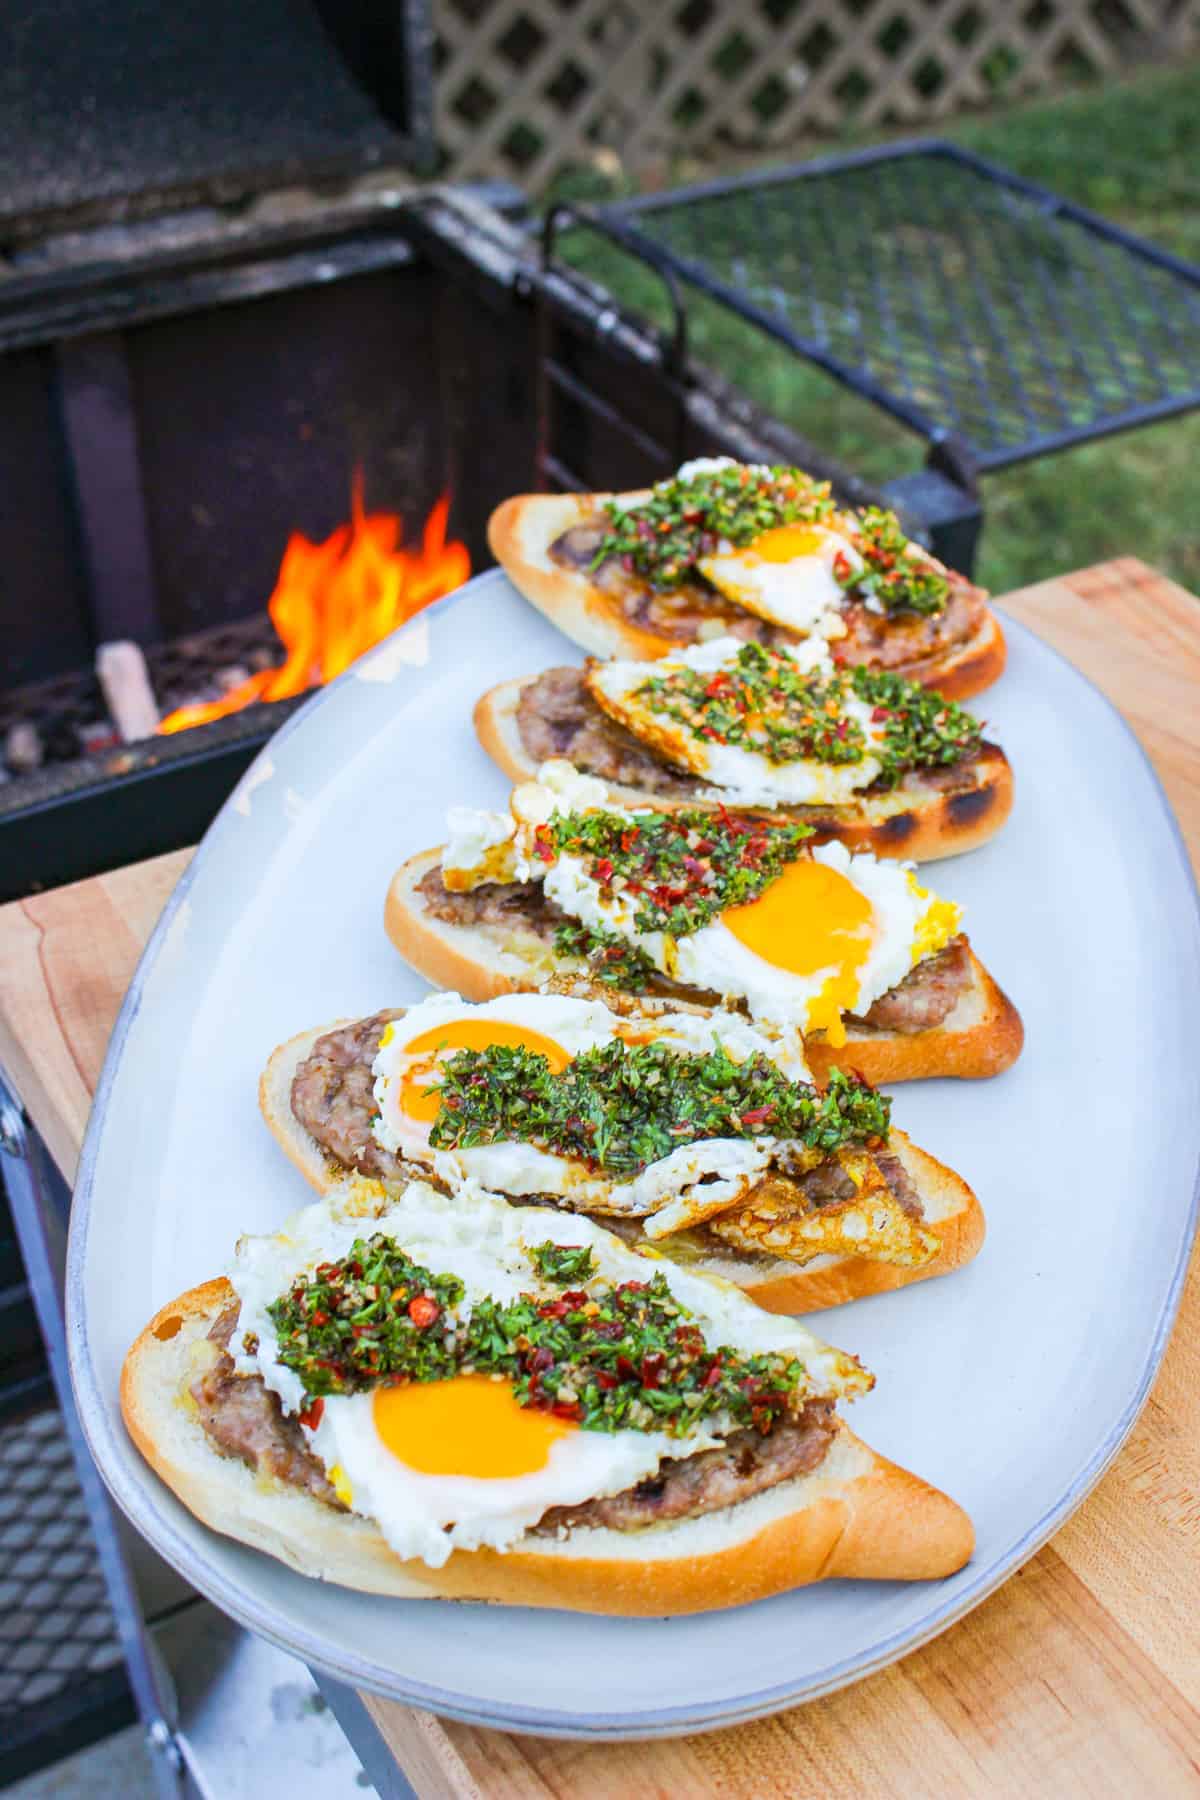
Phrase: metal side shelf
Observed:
(96, 1630)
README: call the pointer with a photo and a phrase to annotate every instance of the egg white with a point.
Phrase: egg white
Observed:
(486, 1243)
(742, 775)
(802, 594)
(522, 1169)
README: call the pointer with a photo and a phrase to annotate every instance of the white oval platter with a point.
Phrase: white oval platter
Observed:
(1011, 1384)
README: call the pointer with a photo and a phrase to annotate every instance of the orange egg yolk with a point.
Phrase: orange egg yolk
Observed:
(788, 543)
(419, 1100)
(468, 1426)
(811, 918)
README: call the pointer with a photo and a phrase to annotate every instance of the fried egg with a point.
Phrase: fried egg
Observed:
(407, 1072)
(830, 935)
(741, 772)
(459, 1464)
(787, 576)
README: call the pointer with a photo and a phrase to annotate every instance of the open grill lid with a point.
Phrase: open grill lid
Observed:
(134, 106)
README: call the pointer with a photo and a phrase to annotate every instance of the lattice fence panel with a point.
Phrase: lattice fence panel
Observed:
(526, 88)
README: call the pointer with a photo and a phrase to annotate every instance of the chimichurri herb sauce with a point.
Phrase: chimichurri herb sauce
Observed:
(608, 1356)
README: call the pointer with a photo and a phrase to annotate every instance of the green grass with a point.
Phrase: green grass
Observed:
(1129, 150)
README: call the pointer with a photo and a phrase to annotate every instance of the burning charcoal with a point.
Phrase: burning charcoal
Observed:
(23, 748)
(101, 734)
(121, 669)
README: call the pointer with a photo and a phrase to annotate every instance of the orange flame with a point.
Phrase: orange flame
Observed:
(334, 600)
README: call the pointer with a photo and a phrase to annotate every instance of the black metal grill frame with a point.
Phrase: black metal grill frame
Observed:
(1107, 336)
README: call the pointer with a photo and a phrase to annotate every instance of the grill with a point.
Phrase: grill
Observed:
(116, 110)
(175, 409)
(969, 304)
(59, 1652)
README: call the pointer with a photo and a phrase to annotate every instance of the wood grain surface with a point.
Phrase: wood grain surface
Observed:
(1082, 1674)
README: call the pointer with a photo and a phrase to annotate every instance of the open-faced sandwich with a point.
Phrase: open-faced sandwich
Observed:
(690, 1131)
(565, 890)
(858, 754)
(761, 552)
(424, 1397)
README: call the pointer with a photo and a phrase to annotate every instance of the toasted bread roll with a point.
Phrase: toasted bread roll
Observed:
(982, 1036)
(522, 530)
(949, 1209)
(920, 821)
(857, 1515)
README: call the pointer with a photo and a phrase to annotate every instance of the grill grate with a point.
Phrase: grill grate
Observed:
(964, 301)
(56, 1626)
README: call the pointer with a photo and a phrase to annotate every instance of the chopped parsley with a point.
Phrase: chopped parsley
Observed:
(372, 1314)
(616, 1358)
(611, 959)
(563, 1264)
(610, 1357)
(682, 868)
(663, 538)
(896, 581)
(619, 1107)
(922, 730)
(764, 704)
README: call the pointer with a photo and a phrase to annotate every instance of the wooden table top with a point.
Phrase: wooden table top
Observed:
(1082, 1674)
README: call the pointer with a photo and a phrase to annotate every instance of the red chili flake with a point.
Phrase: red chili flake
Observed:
(604, 1380)
(713, 1376)
(319, 1317)
(576, 1298)
(567, 1409)
(625, 1369)
(423, 1311)
(879, 713)
(311, 1416)
(719, 680)
(542, 847)
(604, 869)
(629, 838)
(553, 1309)
(758, 1115)
(652, 1368)
(542, 1358)
(710, 731)
(843, 568)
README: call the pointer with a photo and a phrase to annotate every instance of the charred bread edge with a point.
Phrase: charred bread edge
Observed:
(469, 960)
(858, 1515)
(950, 1206)
(521, 531)
(944, 825)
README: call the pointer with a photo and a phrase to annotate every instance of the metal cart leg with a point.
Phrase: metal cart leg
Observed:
(40, 1203)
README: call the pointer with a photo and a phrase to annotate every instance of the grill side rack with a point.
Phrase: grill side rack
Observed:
(996, 320)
